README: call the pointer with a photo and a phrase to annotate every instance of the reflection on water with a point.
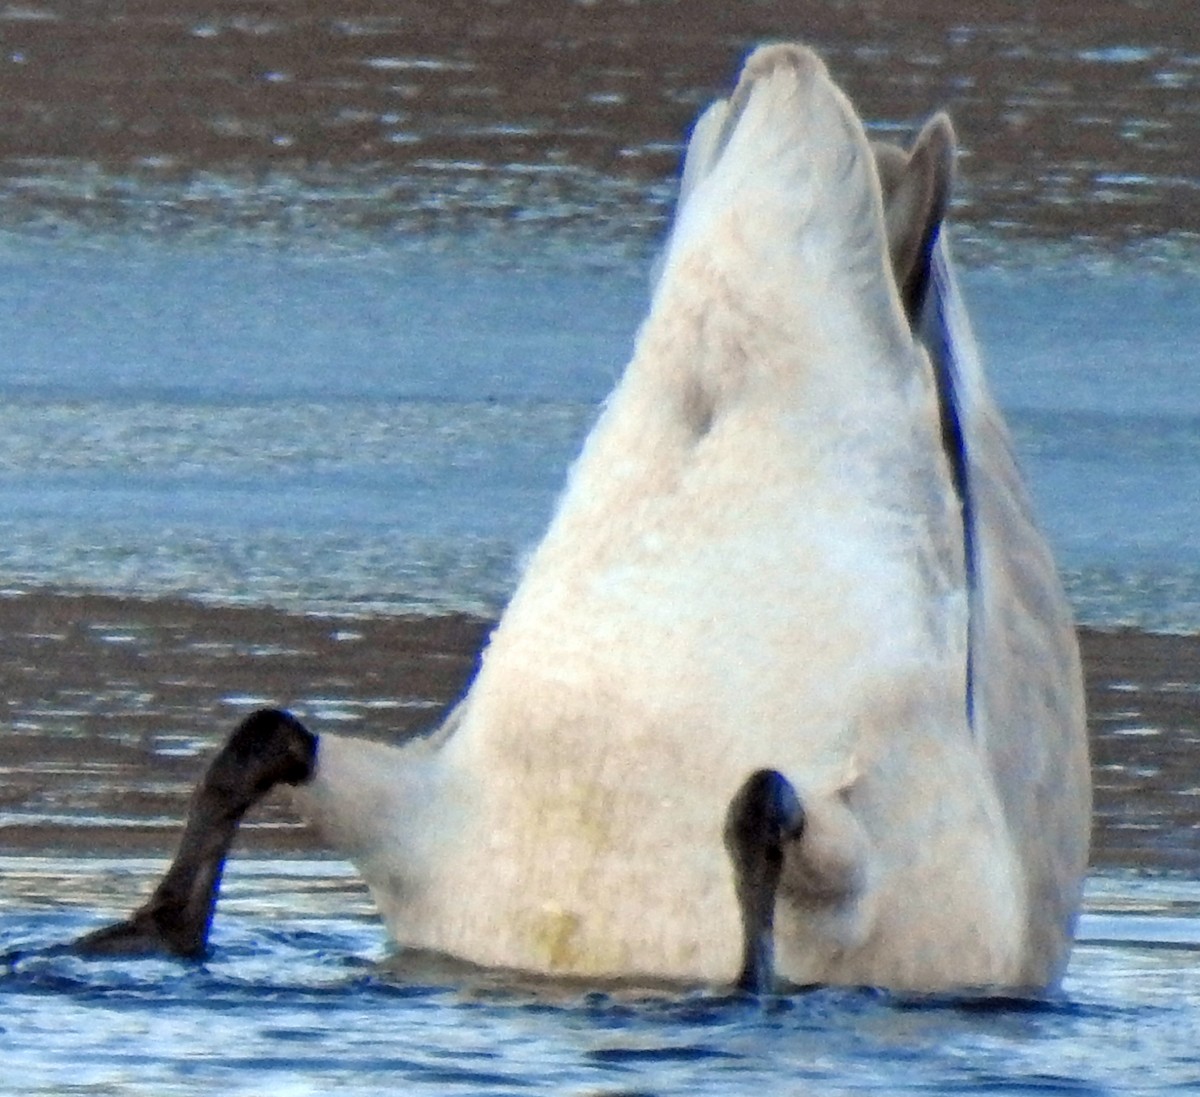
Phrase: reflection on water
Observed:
(412, 116)
(112, 706)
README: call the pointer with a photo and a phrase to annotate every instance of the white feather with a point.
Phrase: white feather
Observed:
(757, 561)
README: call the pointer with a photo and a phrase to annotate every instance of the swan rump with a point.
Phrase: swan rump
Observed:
(773, 553)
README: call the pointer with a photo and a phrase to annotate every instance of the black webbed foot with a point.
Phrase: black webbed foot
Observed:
(269, 747)
(763, 817)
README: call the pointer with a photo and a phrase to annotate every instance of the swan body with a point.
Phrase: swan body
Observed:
(771, 554)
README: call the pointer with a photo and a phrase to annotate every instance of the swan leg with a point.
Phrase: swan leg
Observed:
(269, 747)
(763, 816)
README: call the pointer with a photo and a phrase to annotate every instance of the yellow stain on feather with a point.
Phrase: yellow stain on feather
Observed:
(555, 934)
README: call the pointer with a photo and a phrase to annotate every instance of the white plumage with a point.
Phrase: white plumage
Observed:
(758, 561)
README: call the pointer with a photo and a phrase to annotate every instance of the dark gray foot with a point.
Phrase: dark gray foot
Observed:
(269, 747)
(763, 817)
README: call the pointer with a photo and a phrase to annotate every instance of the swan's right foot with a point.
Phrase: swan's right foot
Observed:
(763, 817)
(269, 747)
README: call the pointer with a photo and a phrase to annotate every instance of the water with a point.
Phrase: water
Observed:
(390, 429)
(300, 998)
(312, 310)
(356, 282)
(371, 419)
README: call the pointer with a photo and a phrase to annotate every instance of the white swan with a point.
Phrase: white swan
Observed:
(759, 561)
(792, 605)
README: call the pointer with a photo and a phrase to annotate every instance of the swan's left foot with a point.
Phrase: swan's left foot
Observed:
(269, 747)
(763, 817)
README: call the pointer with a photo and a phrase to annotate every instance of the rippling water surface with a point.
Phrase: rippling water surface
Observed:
(390, 429)
(300, 998)
(407, 115)
(357, 280)
(310, 306)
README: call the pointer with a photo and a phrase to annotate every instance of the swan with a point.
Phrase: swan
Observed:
(789, 691)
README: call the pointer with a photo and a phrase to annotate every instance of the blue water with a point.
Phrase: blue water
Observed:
(300, 998)
(235, 365)
(377, 429)
(374, 428)
(328, 429)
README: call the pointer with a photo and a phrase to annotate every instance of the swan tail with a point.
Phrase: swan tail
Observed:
(780, 179)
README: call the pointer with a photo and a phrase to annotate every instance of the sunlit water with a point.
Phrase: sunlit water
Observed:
(313, 310)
